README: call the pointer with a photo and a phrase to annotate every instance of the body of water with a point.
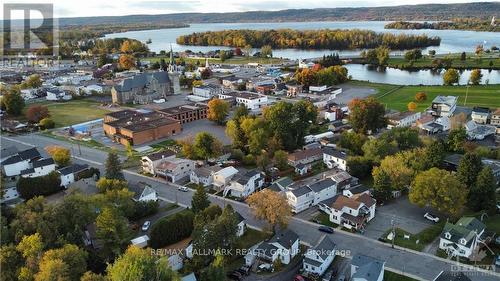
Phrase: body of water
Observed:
(452, 41)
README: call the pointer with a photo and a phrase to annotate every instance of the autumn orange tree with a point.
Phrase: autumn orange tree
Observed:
(60, 154)
(218, 110)
(420, 96)
(412, 106)
(270, 206)
(126, 61)
(37, 112)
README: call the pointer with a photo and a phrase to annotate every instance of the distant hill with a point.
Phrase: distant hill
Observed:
(481, 10)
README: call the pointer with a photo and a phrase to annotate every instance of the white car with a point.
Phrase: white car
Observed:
(146, 225)
(183, 189)
(431, 217)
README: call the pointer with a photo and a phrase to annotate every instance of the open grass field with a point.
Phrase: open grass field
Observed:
(398, 97)
(392, 276)
(470, 62)
(74, 111)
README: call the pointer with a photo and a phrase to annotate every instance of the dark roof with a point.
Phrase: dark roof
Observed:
(284, 237)
(137, 188)
(8, 151)
(453, 159)
(159, 155)
(28, 154)
(452, 276)
(123, 114)
(299, 191)
(239, 217)
(359, 189)
(142, 122)
(325, 248)
(479, 109)
(368, 268)
(27, 171)
(141, 80)
(322, 184)
(73, 168)
(335, 153)
(43, 162)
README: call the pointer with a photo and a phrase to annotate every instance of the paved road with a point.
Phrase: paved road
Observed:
(420, 265)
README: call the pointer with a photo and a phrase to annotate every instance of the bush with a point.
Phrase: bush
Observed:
(171, 229)
(420, 96)
(144, 209)
(249, 160)
(45, 185)
(47, 123)
(89, 173)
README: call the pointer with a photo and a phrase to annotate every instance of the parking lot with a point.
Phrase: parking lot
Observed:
(189, 130)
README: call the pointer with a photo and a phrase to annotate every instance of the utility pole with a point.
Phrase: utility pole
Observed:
(393, 231)
(79, 149)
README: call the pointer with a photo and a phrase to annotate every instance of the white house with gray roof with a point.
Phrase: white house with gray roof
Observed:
(70, 173)
(334, 158)
(300, 197)
(318, 259)
(204, 175)
(284, 245)
(143, 192)
(224, 176)
(150, 162)
(365, 268)
(443, 106)
(40, 167)
(462, 239)
(246, 184)
(22, 160)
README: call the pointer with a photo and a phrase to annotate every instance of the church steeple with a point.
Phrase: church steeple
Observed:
(172, 62)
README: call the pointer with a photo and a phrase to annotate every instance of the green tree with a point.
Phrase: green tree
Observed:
(112, 230)
(352, 141)
(105, 184)
(366, 115)
(382, 55)
(161, 231)
(456, 140)
(482, 193)
(440, 190)
(47, 123)
(434, 154)
(382, 186)
(200, 200)
(263, 161)
(53, 270)
(134, 264)
(215, 270)
(206, 146)
(378, 149)
(12, 102)
(475, 77)
(281, 160)
(451, 76)
(468, 169)
(113, 166)
(91, 276)
(11, 261)
(72, 263)
(266, 51)
(359, 166)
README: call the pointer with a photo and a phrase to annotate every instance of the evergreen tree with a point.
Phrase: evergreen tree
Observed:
(468, 169)
(114, 167)
(482, 193)
(200, 200)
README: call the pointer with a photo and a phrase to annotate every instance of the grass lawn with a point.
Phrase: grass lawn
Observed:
(392, 276)
(424, 237)
(74, 111)
(324, 219)
(470, 62)
(251, 237)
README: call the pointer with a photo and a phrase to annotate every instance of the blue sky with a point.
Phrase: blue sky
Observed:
(78, 8)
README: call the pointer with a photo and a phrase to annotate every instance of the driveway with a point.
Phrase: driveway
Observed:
(350, 92)
(405, 215)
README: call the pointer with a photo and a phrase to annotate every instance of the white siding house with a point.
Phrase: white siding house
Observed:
(334, 158)
(462, 239)
(13, 165)
(318, 259)
(224, 176)
(41, 167)
(245, 185)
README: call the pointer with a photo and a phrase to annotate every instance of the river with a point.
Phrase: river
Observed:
(452, 41)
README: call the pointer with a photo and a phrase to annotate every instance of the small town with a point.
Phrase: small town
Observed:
(240, 145)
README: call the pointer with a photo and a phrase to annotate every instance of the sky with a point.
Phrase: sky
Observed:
(79, 8)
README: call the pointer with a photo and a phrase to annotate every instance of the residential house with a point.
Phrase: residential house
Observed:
(284, 245)
(402, 119)
(252, 101)
(224, 176)
(344, 180)
(443, 106)
(143, 192)
(232, 82)
(334, 113)
(40, 167)
(7, 152)
(495, 119)
(462, 239)
(189, 277)
(13, 165)
(70, 174)
(142, 88)
(90, 238)
(242, 226)
(207, 91)
(265, 89)
(451, 276)
(300, 198)
(141, 241)
(305, 156)
(365, 268)
(350, 212)
(320, 257)
(244, 185)
(174, 169)
(302, 169)
(334, 158)
(323, 189)
(281, 184)
(204, 175)
(56, 94)
(478, 131)
(293, 88)
(452, 161)
(150, 162)
(480, 115)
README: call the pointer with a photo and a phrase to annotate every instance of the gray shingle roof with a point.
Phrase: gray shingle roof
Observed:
(369, 268)
(27, 154)
(299, 191)
(141, 80)
(335, 153)
(73, 168)
(43, 162)
(325, 248)
(322, 184)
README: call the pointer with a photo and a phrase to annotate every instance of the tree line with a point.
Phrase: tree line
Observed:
(455, 24)
(339, 39)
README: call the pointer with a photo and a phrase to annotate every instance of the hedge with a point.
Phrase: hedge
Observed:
(44, 185)
(172, 229)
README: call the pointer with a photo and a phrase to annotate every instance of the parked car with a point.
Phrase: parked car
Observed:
(325, 229)
(497, 240)
(235, 275)
(183, 189)
(431, 217)
(299, 277)
(244, 270)
(497, 261)
(146, 225)
(265, 266)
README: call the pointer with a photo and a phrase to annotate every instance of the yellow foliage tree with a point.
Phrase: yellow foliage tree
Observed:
(126, 61)
(412, 106)
(60, 154)
(218, 110)
(270, 206)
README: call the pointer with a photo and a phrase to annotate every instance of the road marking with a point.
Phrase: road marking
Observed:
(18, 141)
